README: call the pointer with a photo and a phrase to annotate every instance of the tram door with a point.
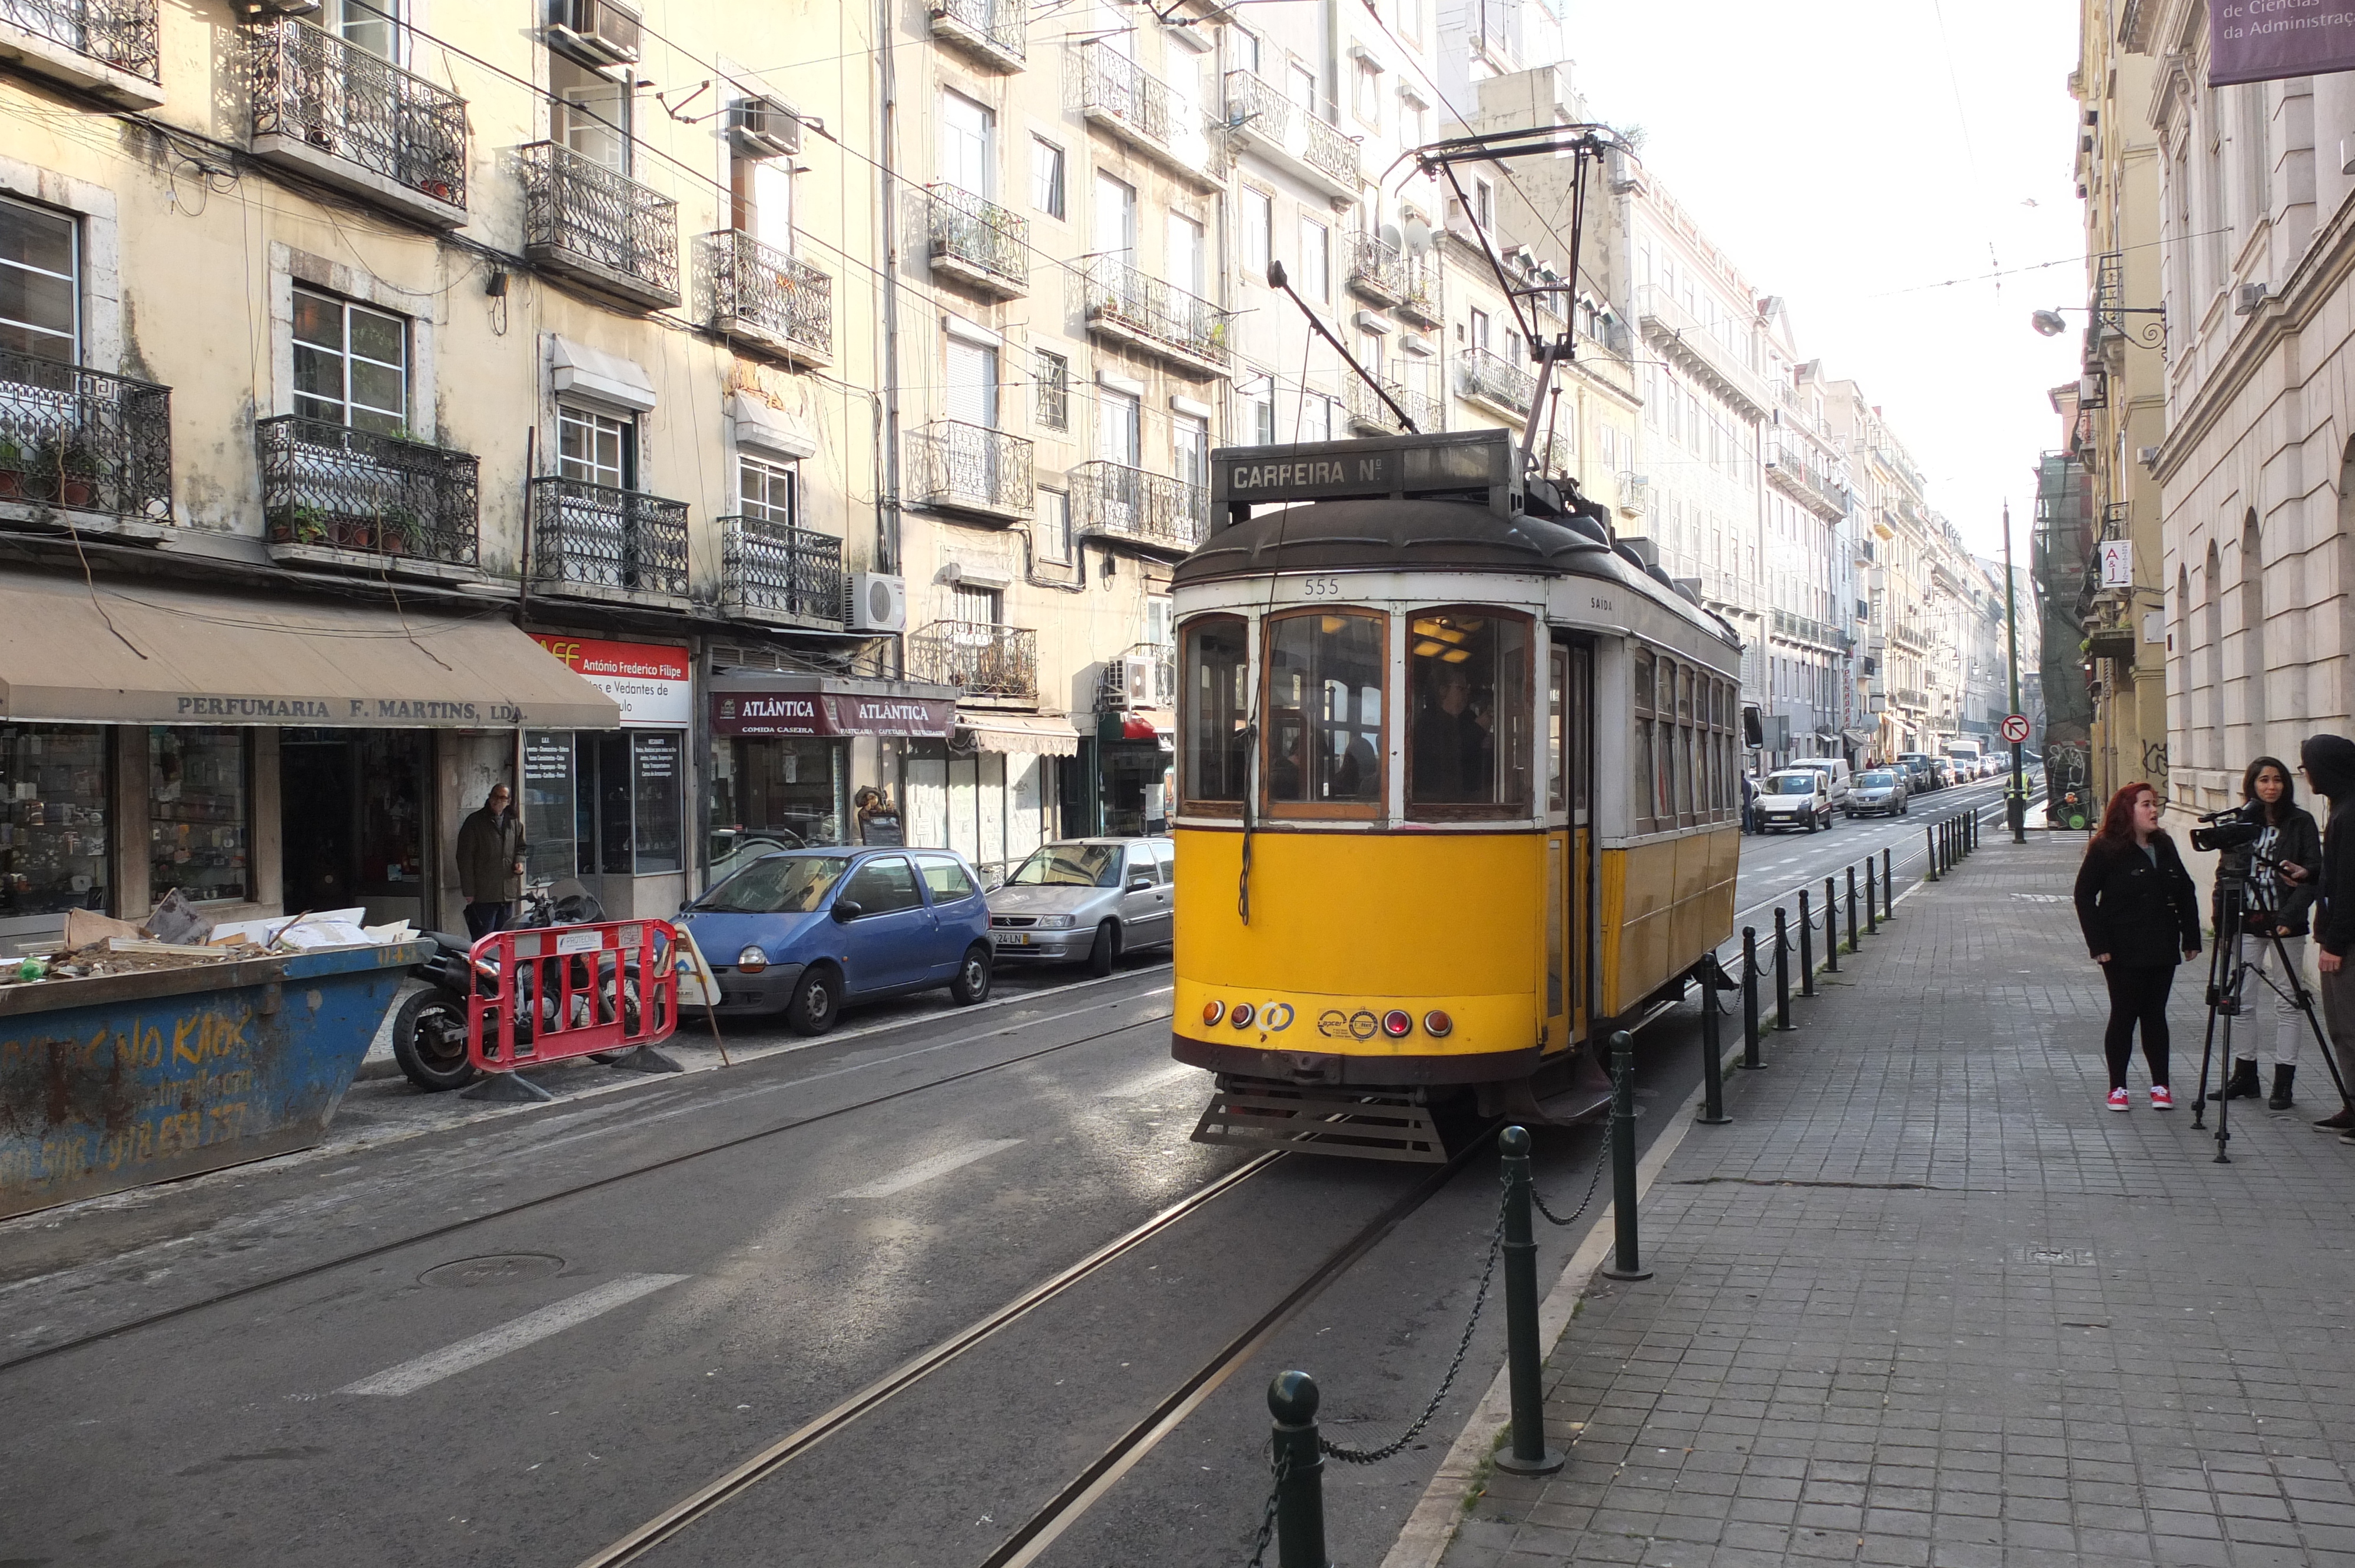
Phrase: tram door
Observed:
(1569, 848)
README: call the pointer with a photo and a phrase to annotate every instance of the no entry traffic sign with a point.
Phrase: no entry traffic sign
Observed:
(2015, 727)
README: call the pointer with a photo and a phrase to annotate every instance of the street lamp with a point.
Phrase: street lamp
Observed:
(2149, 334)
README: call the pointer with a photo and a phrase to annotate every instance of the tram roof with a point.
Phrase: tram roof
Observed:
(1416, 536)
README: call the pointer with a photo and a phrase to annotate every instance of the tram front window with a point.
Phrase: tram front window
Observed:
(1468, 676)
(1325, 712)
(1217, 709)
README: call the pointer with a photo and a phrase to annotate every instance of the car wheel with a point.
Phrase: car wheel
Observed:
(1107, 948)
(428, 1041)
(972, 982)
(817, 1003)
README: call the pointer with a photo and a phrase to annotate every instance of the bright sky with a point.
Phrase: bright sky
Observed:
(1849, 153)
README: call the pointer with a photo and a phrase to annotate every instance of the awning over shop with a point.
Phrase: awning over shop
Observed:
(1861, 737)
(1138, 724)
(152, 654)
(1039, 734)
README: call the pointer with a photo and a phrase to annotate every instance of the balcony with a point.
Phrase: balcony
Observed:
(989, 32)
(1117, 94)
(1370, 416)
(973, 468)
(1419, 305)
(110, 49)
(81, 440)
(1692, 347)
(340, 496)
(1790, 469)
(1152, 510)
(597, 542)
(347, 118)
(1378, 274)
(583, 221)
(1804, 628)
(1908, 697)
(1496, 383)
(1145, 313)
(978, 660)
(1263, 119)
(979, 243)
(757, 295)
(778, 575)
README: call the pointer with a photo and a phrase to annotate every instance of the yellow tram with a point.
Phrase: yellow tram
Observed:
(1457, 792)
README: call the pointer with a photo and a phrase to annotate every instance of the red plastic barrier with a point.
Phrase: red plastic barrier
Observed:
(549, 995)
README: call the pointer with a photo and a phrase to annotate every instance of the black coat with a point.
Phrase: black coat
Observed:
(2330, 762)
(2137, 912)
(2298, 842)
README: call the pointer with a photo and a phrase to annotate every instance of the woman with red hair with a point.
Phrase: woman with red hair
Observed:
(2139, 909)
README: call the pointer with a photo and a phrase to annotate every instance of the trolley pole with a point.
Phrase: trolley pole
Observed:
(2015, 800)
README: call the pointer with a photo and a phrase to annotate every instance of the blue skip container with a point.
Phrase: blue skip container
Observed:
(118, 1081)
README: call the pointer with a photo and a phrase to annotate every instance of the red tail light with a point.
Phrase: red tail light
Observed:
(1213, 1010)
(1242, 1015)
(1436, 1025)
(1396, 1024)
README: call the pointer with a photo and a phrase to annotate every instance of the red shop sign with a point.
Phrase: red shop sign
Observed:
(637, 661)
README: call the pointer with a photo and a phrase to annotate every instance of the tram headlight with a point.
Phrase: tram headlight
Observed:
(751, 960)
(1397, 1024)
(1437, 1025)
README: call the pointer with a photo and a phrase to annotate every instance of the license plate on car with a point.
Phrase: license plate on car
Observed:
(1019, 938)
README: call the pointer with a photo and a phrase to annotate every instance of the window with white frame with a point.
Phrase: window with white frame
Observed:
(1259, 233)
(595, 446)
(1055, 524)
(1315, 260)
(1052, 373)
(980, 606)
(372, 25)
(1258, 398)
(40, 283)
(1160, 628)
(589, 111)
(1366, 91)
(768, 490)
(968, 131)
(1048, 178)
(351, 364)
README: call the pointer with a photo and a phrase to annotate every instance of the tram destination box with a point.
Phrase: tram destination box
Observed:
(1481, 466)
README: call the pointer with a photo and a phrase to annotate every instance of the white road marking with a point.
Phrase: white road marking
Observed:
(1161, 1078)
(924, 1171)
(431, 1368)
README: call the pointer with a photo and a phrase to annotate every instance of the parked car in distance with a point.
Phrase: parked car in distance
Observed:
(1878, 793)
(1917, 763)
(1945, 772)
(1795, 798)
(1086, 898)
(1837, 777)
(806, 932)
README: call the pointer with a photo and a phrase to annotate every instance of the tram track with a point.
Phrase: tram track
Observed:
(612, 1179)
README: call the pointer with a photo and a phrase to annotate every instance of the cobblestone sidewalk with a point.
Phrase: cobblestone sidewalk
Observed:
(1927, 1301)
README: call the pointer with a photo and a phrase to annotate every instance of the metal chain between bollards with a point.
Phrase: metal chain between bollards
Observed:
(1594, 1180)
(1267, 1518)
(1348, 1455)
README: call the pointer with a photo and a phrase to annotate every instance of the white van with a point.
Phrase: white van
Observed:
(1835, 773)
(1793, 797)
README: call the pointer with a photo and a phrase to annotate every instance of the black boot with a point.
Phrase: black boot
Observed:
(2283, 1078)
(2243, 1085)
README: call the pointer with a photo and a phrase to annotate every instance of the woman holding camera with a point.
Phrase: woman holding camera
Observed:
(2277, 873)
(2138, 909)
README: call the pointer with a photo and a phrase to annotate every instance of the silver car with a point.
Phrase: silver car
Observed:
(1086, 898)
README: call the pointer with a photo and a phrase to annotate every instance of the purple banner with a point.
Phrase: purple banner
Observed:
(2266, 40)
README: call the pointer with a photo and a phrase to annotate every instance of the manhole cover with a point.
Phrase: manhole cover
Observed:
(498, 1268)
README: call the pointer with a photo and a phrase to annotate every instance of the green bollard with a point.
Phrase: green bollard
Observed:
(1528, 1455)
(1300, 1472)
(1628, 1261)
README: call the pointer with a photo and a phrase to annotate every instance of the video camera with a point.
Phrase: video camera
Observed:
(2234, 827)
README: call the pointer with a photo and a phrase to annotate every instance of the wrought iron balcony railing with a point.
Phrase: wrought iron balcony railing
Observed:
(1695, 346)
(1142, 309)
(1255, 107)
(1149, 509)
(342, 489)
(1116, 89)
(83, 440)
(1790, 466)
(978, 660)
(122, 34)
(1370, 413)
(1495, 380)
(754, 290)
(972, 468)
(1419, 301)
(992, 28)
(769, 568)
(980, 240)
(601, 228)
(599, 536)
(1261, 117)
(1330, 152)
(1804, 628)
(322, 92)
(1377, 272)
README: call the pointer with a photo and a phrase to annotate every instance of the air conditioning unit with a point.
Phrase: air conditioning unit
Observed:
(764, 128)
(1135, 679)
(598, 31)
(878, 603)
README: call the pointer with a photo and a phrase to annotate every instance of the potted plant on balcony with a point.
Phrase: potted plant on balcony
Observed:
(12, 468)
(401, 531)
(63, 467)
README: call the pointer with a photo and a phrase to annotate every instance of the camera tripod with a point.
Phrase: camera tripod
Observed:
(2228, 976)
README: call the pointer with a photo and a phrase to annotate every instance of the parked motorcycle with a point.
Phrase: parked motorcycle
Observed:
(429, 1032)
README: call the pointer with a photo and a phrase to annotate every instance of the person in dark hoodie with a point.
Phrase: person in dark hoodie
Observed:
(2329, 763)
(2278, 874)
(2138, 909)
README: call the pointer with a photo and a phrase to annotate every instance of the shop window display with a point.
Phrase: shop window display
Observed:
(53, 818)
(197, 808)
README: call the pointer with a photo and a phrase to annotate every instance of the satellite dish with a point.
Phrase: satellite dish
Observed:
(1418, 237)
(1388, 235)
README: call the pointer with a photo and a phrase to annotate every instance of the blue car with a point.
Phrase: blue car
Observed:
(806, 931)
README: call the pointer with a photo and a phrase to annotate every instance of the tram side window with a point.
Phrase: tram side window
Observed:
(1664, 780)
(1639, 797)
(1218, 711)
(1324, 713)
(1468, 687)
(1558, 730)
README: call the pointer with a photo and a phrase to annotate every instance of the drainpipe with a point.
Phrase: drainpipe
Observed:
(887, 486)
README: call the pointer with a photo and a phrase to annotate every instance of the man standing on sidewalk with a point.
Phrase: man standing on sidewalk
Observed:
(2329, 763)
(490, 864)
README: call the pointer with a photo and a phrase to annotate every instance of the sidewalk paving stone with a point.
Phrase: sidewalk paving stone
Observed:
(1927, 1302)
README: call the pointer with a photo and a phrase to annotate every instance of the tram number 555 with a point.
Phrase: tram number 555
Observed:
(1320, 588)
